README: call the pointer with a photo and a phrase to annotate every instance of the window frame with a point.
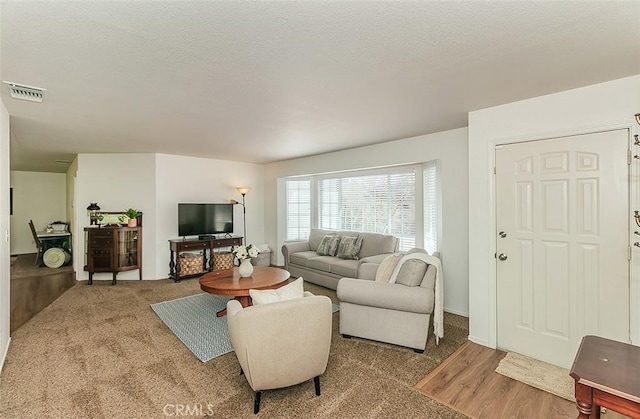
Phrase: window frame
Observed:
(413, 169)
(419, 175)
(286, 205)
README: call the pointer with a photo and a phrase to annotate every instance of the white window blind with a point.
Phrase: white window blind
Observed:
(298, 223)
(377, 203)
(431, 206)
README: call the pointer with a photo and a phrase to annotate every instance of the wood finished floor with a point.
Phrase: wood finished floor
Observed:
(468, 383)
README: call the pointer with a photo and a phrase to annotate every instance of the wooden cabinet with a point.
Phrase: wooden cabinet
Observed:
(113, 249)
(176, 246)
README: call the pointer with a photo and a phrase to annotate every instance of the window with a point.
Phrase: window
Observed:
(386, 201)
(431, 204)
(374, 203)
(298, 224)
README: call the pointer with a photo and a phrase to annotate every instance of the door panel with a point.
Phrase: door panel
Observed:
(563, 204)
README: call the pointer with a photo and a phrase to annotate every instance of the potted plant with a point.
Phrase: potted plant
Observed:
(133, 215)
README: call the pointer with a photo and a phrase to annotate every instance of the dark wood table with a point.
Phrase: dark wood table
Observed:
(607, 374)
(229, 282)
(206, 245)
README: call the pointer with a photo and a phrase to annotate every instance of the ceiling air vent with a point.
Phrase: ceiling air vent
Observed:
(24, 92)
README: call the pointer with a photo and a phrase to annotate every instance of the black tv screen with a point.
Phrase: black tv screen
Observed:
(200, 219)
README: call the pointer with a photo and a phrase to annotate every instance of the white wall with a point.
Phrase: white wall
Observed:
(593, 108)
(155, 183)
(449, 147)
(190, 179)
(4, 233)
(4, 229)
(117, 182)
(70, 202)
(37, 196)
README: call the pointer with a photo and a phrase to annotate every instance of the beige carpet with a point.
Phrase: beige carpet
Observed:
(101, 352)
(538, 374)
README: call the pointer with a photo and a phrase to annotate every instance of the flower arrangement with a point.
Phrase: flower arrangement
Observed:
(245, 252)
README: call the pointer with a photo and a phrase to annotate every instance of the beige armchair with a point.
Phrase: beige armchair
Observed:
(281, 344)
(395, 313)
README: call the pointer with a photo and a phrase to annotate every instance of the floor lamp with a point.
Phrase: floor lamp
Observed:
(243, 191)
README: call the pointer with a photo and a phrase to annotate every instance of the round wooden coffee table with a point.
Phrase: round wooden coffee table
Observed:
(229, 282)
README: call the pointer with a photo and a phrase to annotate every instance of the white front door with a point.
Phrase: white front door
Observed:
(562, 244)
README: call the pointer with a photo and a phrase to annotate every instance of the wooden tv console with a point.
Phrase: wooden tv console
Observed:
(206, 245)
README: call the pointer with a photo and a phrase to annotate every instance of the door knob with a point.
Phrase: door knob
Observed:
(502, 256)
(502, 234)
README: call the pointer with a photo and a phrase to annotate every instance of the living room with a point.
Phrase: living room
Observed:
(155, 180)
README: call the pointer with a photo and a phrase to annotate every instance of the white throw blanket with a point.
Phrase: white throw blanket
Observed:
(438, 305)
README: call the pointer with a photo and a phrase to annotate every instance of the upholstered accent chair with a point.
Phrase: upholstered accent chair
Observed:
(281, 344)
(396, 309)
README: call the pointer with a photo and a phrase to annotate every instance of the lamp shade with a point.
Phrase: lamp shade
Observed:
(93, 207)
(243, 190)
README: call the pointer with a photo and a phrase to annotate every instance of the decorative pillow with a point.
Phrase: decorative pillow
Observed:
(290, 291)
(383, 274)
(411, 272)
(349, 247)
(328, 245)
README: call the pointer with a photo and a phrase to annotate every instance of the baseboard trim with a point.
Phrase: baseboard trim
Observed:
(482, 342)
(456, 312)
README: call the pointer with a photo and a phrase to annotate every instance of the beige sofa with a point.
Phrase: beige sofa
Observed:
(302, 259)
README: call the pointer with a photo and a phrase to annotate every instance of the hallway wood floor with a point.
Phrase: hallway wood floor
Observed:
(468, 383)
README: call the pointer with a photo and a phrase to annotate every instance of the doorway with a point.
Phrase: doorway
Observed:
(562, 243)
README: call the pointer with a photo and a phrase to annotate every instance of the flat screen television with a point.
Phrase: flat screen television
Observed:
(204, 219)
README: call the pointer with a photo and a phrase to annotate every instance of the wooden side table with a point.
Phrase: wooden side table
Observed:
(607, 374)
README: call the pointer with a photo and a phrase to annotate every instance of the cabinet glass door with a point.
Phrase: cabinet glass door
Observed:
(127, 248)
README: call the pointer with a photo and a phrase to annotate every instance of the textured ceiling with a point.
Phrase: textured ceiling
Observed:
(270, 80)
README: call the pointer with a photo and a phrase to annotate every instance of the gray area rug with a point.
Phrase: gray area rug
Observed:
(538, 374)
(193, 320)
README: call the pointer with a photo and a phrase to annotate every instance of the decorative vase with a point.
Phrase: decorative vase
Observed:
(133, 222)
(246, 268)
